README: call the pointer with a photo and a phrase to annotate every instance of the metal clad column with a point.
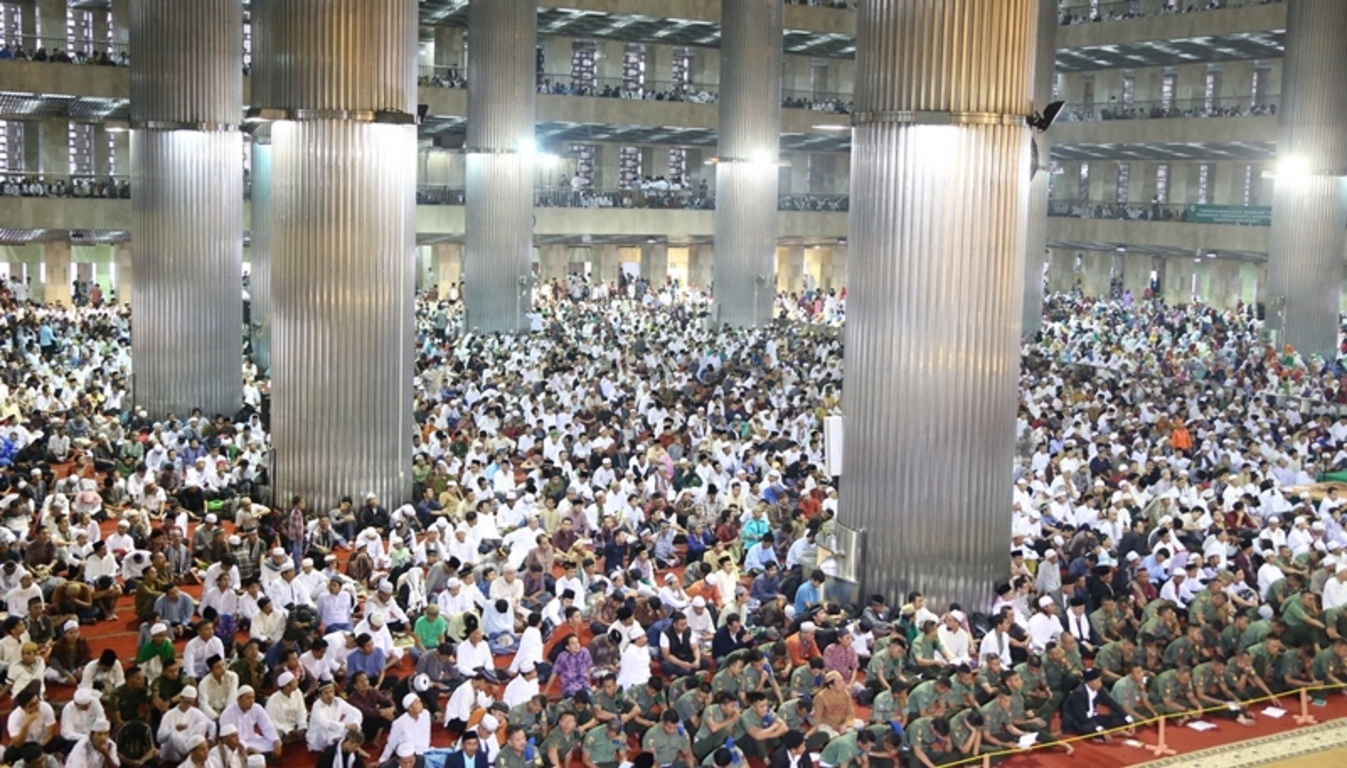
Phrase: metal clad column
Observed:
(747, 171)
(502, 90)
(187, 210)
(343, 245)
(259, 254)
(1309, 220)
(1036, 250)
(940, 191)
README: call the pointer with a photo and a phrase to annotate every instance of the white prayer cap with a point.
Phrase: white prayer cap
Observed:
(306, 562)
(188, 693)
(1044, 601)
(386, 586)
(489, 722)
(245, 691)
(195, 742)
(1058, 541)
(69, 625)
(159, 628)
(376, 620)
(409, 700)
(1050, 553)
(1342, 568)
(957, 616)
(636, 633)
(698, 602)
(228, 729)
(234, 540)
(278, 552)
(527, 668)
(288, 565)
(421, 683)
(84, 696)
(453, 583)
(1318, 526)
(808, 626)
(285, 679)
(406, 749)
(212, 519)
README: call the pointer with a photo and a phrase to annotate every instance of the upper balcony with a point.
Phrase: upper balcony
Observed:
(1230, 230)
(1224, 30)
(596, 111)
(1192, 121)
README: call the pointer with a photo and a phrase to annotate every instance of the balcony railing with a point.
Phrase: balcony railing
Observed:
(841, 5)
(1227, 106)
(1194, 213)
(59, 50)
(1121, 10)
(653, 197)
(20, 184)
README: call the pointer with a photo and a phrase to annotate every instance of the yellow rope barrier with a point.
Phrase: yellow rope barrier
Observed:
(1160, 748)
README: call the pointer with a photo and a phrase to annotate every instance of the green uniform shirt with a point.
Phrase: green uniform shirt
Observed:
(507, 758)
(530, 722)
(665, 746)
(1206, 680)
(1103, 623)
(1326, 663)
(923, 696)
(1059, 674)
(724, 681)
(1229, 640)
(1035, 679)
(1110, 657)
(959, 693)
(1157, 629)
(924, 648)
(883, 665)
(689, 706)
(960, 730)
(1167, 686)
(997, 719)
(613, 705)
(881, 709)
(563, 744)
(1262, 661)
(714, 715)
(988, 678)
(803, 680)
(1289, 664)
(1127, 692)
(1293, 613)
(1255, 633)
(648, 704)
(1180, 652)
(789, 713)
(840, 750)
(602, 747)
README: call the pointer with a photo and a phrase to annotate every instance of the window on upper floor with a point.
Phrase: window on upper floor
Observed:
(1084, 189)
(11, 145)
(1262, 81)
(682, 70)
(247, 40)
(1251, 178)
(1204, 183)
(81, 144)
(1167, 90)
(1212, 88)
(629, 168)
(678, 164)
(1124, 180)
(111, 139)
(633, 67)
(584, 64)
(1162, 183)
(79, 26)
(1129, 89)
(584, 163)
(11, 24)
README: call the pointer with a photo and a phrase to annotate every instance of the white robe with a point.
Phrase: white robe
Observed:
(412, 731)
(328, 722)
(256, 731)
(173, 741)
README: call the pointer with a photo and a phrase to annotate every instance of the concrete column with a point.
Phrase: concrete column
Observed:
(500, 147)
(701, 266)
(102, 151)
(957, 187)
(51, 21)
(121, 23)
(448, 258)
(1158, 264)
(187, 214)
(1136, 275)
(553, 260)
(1061, 270)
(449, 46)
(1309, 222)
(54, 146)
(344, 242)
(655, 263)
(1225, 283)
(121, 152)
(790, 269)
(835, 278)
(1036, 233)
(56, 259)
(748, 174)
(610, 264)
(260, 308)
(126, 274)
(1094, 273)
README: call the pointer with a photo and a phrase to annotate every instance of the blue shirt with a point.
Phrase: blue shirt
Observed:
(805, 596)
(759, 556)
(372, 664)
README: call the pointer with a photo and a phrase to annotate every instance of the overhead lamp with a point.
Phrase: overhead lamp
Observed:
(1293, 167)
(831, 127)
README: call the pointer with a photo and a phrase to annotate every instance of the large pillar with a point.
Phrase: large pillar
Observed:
(259, 253)
(940, 196)
(56, 259)
(125, 274)
(54, 147)
(790, 269)
(448, 265)
(187, 211)
(500, 148)
(655, 263)
(51, 23)
(610, 265)
(747, 169)
(1309, 207)
(1036, 249)
(342, 85)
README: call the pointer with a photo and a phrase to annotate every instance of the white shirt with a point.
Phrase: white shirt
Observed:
(634, 669)
(195, 654)
(520, 690)
(472, 658)
(76, 722)
(1043, 629)
(287, 711)
(250, 723)
(412, 731)
(530, 649)
(329, 722)
(1335, 593)
(268, 626)
(83, 755)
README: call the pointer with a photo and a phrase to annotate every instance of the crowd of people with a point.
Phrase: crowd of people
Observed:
(27, 185)
(1123, 10)
(610, 552)
(104, 58)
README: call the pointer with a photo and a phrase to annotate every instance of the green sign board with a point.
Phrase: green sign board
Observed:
(1243, 215)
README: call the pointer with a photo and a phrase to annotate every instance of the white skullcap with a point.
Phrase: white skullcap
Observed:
(698, 602)
(188, 693)
(211, 518)
(228, 729)
(69, 625)
(195, 742)
(288, 565)
(244, 691)
(489, 722)
(84, 696)
(406, 749)
(278, 552)
(376, 620)
(421, 683)
(409, 700)
(306, 562)
(285, 679)
(159, 628)
(1044, 601)
(808, 626)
